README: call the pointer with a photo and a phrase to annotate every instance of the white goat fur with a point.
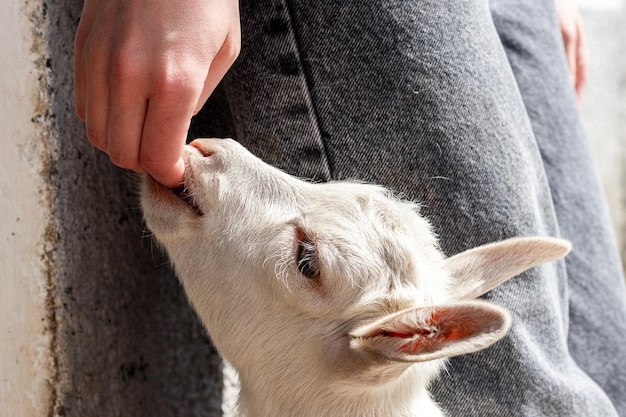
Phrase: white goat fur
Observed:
(372, 325)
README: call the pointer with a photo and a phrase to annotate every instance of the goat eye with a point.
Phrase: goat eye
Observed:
(307, 259)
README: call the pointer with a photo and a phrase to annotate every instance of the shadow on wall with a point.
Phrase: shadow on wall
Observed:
(127, 342)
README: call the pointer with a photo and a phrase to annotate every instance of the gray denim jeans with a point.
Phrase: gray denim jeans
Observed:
(465, 106)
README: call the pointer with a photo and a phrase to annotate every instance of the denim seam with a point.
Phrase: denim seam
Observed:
(308, 77)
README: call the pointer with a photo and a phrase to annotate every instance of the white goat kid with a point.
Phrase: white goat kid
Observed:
(329, 299)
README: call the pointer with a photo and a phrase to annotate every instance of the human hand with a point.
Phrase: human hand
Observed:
(143, 68)
(575, 43)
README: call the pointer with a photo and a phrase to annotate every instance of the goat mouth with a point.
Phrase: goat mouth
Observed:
(185, 195)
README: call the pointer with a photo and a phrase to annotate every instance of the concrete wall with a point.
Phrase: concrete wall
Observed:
(92, 322)
(27, 365)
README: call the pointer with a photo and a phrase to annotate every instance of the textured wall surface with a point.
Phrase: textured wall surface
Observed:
(127, 342)
(27, 364)
(93, 321)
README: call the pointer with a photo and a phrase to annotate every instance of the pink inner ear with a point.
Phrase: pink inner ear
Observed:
(442, 328)
(454, 327)
(434, 332)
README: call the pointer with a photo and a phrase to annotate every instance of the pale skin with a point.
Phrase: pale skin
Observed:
(143, 68)
(575, 43)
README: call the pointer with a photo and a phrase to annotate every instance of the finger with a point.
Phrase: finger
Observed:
(80, 81)
(570, 42)
(164, 136)
(125, 125)
(222, 62)
(582, 62)
(96, 98)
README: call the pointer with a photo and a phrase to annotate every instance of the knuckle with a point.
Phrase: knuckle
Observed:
(232, 51)
(173, 79)
(125, 67)
(231, 48)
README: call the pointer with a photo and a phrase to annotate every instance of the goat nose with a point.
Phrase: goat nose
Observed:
(204, 146)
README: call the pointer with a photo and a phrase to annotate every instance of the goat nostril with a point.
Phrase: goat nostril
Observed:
(205, 149)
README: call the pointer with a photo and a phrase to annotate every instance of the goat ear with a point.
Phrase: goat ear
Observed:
(479, 270)
(427, 333)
